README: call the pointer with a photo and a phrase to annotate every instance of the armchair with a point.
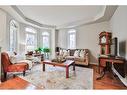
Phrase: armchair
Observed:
(9, 67)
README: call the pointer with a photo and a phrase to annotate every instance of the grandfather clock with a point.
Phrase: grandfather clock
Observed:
(105, 43)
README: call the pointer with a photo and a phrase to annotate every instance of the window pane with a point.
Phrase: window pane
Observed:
(30, 30)
(13, 35)
(72, 39)
(30, 41)
(45, 34)
(45, 40)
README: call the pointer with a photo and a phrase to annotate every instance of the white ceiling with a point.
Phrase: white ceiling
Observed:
(60, 15)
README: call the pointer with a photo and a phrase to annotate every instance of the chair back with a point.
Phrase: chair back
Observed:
(5, 61)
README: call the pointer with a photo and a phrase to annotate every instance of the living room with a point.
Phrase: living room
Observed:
(75, 27)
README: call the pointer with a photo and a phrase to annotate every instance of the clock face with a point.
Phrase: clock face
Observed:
(103, 39)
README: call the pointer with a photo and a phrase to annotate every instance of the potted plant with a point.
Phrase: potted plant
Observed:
(39, 49)
(46, 52)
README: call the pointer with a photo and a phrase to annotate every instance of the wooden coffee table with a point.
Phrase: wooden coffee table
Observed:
(65, 64)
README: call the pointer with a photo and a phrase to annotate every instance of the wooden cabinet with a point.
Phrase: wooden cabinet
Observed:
(105, 43)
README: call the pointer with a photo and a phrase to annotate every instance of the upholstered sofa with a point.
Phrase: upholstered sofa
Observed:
(80, 56)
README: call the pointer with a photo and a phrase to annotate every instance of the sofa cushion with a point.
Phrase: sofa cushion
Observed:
(70, 58)
(80, 59)
(81, 63)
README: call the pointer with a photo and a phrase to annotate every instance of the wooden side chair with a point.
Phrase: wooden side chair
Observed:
(9, 67)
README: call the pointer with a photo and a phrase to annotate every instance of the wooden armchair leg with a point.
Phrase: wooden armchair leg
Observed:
(5, 76)
(24, 72)
(14, 75)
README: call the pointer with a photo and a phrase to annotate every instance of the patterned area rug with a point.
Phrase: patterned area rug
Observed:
(55, 77)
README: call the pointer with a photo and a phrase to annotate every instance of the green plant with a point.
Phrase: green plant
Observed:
(39, 49)
(46, 50)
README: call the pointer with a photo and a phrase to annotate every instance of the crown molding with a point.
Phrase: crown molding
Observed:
(105, 15)
(30, 20)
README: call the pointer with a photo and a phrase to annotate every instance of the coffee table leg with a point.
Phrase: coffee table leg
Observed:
(67, 72)
(73, 66)
(43, 67)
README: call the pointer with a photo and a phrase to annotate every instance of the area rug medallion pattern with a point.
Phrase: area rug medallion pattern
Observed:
(55, 77)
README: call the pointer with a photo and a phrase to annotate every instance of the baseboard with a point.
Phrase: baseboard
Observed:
(95, 64)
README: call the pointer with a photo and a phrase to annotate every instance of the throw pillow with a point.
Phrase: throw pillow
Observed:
(61, 53)
(82, 54)
(13, 59)
(68, 52)
(76, 53)
(10, 53)
(64, 53)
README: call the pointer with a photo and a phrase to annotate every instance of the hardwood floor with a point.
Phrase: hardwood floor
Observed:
(108, 82)
(17, 84)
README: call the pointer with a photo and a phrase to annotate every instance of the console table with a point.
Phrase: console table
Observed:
(106, 63)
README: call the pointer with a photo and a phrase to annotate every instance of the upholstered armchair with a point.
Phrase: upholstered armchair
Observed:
(9, 67)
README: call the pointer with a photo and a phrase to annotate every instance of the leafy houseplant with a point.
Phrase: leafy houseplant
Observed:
(46, 52)
(39, 50)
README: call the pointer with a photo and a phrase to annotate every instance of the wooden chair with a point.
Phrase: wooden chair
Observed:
(9, 67)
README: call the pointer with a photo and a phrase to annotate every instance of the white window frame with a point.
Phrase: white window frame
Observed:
(13, 36)
(45, 34)
(70, 33)
(31, 31)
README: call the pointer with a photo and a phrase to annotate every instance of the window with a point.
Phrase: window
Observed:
(45, 40)
(31, 39)
(13, 35)
(72, 39)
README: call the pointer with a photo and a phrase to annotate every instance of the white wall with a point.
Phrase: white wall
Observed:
(2, 33)
(118, 24)
(3, 37)
(87, 37)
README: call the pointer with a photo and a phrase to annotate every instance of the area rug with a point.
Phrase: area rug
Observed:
(55, 77)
